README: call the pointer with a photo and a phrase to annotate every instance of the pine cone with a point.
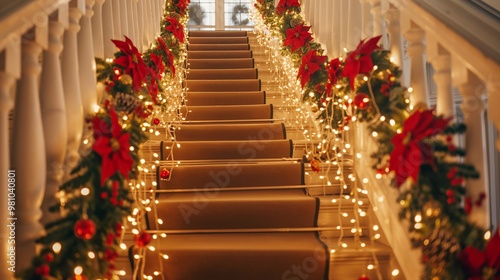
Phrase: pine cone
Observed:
(295, 21)
(439, 248)
(125, 103)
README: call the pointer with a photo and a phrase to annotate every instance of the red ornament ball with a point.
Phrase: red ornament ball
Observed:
(164, 173)
(84, 229)
(156, 121)
(43, 270)
(361, 101)
(142, 239)
(363, 277)
(48, 257)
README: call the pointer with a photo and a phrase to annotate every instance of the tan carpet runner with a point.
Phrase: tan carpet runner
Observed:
(234, 206)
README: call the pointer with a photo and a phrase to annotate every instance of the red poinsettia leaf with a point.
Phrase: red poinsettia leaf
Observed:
(473, 260)
(369, 46)
(365, 64)
(412, 122)
(121, 45)
(115, 125)
(122, 61)
(351, 70)
(297, 37)
(107, 167)
(492, 251)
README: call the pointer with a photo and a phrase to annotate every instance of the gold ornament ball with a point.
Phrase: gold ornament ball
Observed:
(125, 79)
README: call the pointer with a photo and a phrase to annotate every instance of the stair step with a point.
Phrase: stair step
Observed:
(244, 256)
(222, 175)
(225, 98)
(237, 149)
(218, 40)
(215, 47)
(235, 209)
(213, 132)
(218, 74)
(223, 85)
(218, 33)
(219, 54)
(259, 113)
(222, 63)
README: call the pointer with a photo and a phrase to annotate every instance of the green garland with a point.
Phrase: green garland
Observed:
(83, 243)
(434, 203)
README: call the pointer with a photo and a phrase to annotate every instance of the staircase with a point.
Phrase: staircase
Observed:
(232, 198)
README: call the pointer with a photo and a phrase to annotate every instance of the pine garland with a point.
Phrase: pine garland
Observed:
(433, 204)
(83, 242)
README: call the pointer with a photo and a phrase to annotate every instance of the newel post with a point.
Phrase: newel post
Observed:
(10, 68)
(28, 150)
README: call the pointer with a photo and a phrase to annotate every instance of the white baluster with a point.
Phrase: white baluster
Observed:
(124, 18)
(7, 80)
(473, 90)
(143, 42)
(416, 49)
(344, 8)
(441, 62)
(379, 25)
(108, 32)
(53, 118)
(86, 61)
(326, 31)
(147, 23)
(96, 23)
(367, 19)
(119, 29)
(493, 101)
(396, 43)
(71, 84)
(28, 156)
(335, 29)
(131, 20)
(354, 24)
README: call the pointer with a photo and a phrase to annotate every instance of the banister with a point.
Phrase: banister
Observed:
(23, 18)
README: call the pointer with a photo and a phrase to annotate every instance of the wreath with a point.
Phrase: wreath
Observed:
(196, 14)
(238, 10)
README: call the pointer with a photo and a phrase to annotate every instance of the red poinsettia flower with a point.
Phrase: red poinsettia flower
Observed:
(170, 56)
(410, 152)
(297, 37)
(311, 62)
(333, 74)
(283, 5)
(131, 60)
(153, 90)
(159, 68)
(113, 146)
(176, 28)
(479, 264)
(359, 61)
(182, 5)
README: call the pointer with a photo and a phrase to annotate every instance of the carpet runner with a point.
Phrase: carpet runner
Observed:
(235, 205)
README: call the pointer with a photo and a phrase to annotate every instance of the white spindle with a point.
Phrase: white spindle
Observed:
(367, 19)
(137, 25)
(124, 18)
(416, 49)
(142, 25)
(493, 112)
(147, 22)
(86, 61)
(97, 29)
(131, 19)
(379, 25)
(344, 8)
(117, 18)
(108, 32)
(354, 24)
(335, 29)
(28, 156)
(396, 41)
(441, 62)
(72, 89)
(53, 118)
(472, 90)
(7, 80)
